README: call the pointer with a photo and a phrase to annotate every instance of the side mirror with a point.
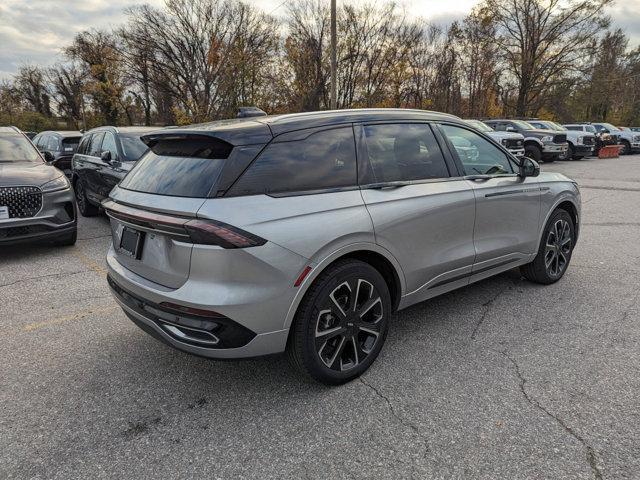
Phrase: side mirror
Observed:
(106, 156)
(48, 157)
(528, 168)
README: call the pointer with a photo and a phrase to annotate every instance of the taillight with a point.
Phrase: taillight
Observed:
(200, 231)
(212, 232)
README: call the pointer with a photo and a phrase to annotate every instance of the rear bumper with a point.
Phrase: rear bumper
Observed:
(57, 218)
(254, 306)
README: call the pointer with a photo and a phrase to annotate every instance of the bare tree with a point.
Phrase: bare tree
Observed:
(67, 84)
(31, 83)
(98, 55)
(543, 41)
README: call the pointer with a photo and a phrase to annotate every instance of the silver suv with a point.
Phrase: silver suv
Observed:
(305, 232)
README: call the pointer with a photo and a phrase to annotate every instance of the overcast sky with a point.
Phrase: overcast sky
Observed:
(34, 31)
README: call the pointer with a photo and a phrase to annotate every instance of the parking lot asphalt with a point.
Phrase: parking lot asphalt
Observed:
(502, 379)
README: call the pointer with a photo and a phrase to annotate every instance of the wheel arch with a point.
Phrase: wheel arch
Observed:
(372, 254)
(567, 204)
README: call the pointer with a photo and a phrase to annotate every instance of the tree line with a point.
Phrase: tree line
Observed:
(199, 60)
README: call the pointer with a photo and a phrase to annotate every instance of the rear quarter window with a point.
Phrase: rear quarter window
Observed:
(323, 160)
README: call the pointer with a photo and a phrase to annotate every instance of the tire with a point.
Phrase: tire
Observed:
(329, 346)
(533, 152)
(571, 153)
(558, 240)
(626, 148)
(85, 207)
(69, 240)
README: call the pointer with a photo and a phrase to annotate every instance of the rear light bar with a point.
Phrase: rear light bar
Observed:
(199, 231)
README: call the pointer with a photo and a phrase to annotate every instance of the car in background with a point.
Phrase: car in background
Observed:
(538, 144)
(514, 142)
(629, 140)
(30, 135)
(602, 138)
(634, 129)
(581, 144)
(105, 155)
(304, 233)
(36, 199)
(61, 145)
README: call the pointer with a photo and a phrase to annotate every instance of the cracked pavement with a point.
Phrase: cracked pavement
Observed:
(500, 380)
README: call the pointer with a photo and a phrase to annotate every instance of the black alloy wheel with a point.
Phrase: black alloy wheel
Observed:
(554, 253)
(341, 324)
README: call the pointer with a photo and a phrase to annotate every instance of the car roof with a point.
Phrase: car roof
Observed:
(131, 129)
(63, 133)
(9, 130)
(253, 130)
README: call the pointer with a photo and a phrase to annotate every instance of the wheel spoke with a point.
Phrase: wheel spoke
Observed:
(332, 296)
(329, 363)
(369, 305)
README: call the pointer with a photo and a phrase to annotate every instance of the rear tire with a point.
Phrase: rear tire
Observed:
(571, 153)
(554, 253)
(86, 208)
(341, 323)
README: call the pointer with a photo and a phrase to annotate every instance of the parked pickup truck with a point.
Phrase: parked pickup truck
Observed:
(581, 144)
(628, 139)
(538, 144)
(514, 142)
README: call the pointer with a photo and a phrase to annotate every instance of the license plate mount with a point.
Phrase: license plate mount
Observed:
(131, 242)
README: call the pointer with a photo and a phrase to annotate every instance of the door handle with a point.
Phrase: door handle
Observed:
(478, 177)
(384, 186)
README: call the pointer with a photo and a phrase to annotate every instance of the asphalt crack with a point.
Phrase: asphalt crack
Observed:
(591, 454)
(487, 308)
(395, 414)
(49, 275)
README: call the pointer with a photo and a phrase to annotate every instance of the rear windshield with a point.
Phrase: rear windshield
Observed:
(70, 144)
(14, 147)
(179, 168)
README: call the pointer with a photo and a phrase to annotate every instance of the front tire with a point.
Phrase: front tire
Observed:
(556, 248)
(86, 208)
(341, 324)
(626, 148)
(533, 152)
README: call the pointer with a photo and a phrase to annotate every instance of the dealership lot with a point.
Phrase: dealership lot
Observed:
(501, 379)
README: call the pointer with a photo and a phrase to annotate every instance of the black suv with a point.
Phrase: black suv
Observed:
(104, 157)
(61, 146)
(538, 144)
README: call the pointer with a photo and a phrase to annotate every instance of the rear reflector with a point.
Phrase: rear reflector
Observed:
(302, 276)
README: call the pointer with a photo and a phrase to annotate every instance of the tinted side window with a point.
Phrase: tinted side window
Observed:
(577, 129)
(96, 144)
(478, 156)
(109, 145)
(403, 152)
(53, 144)
(37, 140)
(84, 145)
(324, 159)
